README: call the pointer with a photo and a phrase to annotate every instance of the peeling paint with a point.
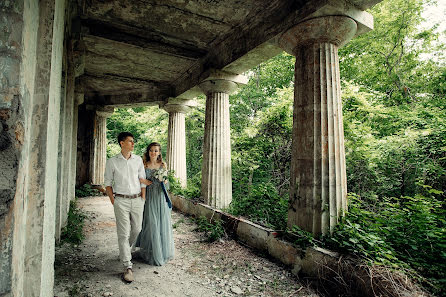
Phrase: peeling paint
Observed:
(19, 133)
(5, 114)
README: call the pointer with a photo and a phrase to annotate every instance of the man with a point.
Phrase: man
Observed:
(127, 194)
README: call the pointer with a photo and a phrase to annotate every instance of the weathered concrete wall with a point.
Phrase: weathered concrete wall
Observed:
(31, 42)
(17, 68)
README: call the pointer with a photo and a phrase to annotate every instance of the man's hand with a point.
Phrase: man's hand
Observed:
(143, 193)
(109, 192)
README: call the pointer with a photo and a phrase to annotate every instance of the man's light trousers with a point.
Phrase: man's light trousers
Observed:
(128, 214)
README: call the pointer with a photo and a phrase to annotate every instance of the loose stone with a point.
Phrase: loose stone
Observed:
(236, 290)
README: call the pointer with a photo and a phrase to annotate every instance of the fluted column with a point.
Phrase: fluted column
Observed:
(176, 141)
(318, 187)
(100, 146)
(216, 184)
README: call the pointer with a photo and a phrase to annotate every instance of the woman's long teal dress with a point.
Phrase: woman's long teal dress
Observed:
(156, 237)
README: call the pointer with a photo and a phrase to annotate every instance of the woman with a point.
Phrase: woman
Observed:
(156, 237)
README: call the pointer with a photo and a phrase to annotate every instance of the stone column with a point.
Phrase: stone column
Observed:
(176, 141)
(65, 143)
(37, 276)
(216, 183)
(79, 99)
(318, 189)
(100, 146)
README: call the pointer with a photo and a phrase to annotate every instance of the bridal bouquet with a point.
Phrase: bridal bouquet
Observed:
(161, 174)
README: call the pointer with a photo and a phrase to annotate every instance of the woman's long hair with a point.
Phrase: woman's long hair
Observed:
(146, 157)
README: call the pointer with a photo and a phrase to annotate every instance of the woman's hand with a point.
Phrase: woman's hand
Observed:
(145, 181)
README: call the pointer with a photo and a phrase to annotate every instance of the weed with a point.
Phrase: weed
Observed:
(302, 238)
(86, 190)
(177, 223)
(212, 229)
(73, 231)
(76, 291)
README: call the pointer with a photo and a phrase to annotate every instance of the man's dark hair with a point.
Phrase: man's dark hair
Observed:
(123, 135)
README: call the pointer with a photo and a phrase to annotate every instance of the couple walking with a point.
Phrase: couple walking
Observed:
(142, 210)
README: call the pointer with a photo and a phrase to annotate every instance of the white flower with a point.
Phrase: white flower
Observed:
(161, 174)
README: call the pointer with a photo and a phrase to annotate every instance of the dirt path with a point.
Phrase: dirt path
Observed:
(224, 268)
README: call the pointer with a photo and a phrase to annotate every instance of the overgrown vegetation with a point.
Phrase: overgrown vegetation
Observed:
(73, 232)
(394, 107)
(86, 190)
(406, 232)
(213, 229)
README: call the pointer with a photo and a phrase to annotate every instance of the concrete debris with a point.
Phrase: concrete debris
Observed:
(236, 290)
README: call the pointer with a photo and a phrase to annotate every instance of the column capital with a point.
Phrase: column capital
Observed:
(182, 108)
(218, 85)
(179, 104)
(222, 81)
(105, 112)
(337, 30)
(79, 98)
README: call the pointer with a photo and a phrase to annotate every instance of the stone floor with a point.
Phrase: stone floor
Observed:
(223, 268)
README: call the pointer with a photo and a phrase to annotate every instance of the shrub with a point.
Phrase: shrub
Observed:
(193, 189)
(263, 205)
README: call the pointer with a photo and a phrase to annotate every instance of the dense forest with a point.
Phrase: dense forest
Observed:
(394, 107)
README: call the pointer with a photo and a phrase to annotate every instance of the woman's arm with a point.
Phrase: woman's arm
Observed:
(145, 181)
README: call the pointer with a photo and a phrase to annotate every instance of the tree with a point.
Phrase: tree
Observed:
(388, 59)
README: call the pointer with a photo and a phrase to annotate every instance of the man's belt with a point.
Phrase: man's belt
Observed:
(128, 196)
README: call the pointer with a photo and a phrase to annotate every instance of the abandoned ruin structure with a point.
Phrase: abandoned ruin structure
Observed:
(66, 64)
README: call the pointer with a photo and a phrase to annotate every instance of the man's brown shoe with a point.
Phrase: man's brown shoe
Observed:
(128, 275)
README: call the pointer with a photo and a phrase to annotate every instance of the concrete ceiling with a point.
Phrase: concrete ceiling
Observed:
(145, 51)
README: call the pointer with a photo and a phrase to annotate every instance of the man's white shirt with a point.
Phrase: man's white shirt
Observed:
(123, 175)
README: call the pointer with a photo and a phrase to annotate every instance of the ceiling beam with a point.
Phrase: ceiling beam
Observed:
(126, 90)
(246, 37)
(142, 38)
